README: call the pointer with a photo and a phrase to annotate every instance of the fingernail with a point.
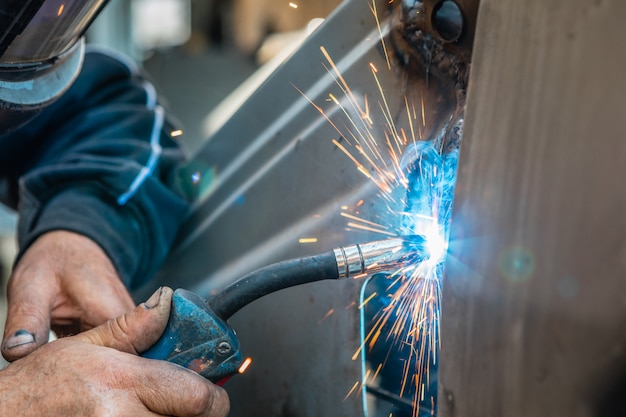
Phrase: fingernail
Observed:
(21, 337)
(153, 301)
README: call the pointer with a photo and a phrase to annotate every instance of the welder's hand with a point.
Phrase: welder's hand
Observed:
(64, 281)
(97, 373)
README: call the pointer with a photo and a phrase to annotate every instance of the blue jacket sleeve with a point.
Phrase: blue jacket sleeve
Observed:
(100, 162)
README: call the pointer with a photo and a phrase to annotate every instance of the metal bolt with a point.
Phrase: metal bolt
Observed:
(223, 348)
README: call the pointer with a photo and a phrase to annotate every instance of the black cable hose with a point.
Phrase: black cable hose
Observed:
(272, 278)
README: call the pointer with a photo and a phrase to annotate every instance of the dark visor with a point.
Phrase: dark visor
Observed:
(35, 31)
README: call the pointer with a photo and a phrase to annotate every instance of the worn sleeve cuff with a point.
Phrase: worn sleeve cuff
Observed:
(114, 228)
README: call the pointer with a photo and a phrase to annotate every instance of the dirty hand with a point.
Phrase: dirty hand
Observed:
(97, 373)
(64, 281)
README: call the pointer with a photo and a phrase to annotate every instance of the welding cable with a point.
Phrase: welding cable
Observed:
(272, 278)
(342, 262)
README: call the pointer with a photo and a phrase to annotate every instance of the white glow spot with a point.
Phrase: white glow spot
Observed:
(436, 246)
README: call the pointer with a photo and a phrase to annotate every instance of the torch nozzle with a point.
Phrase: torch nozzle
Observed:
(380, 255)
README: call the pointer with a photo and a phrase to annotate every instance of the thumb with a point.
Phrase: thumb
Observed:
(28, 320)
(137, 330)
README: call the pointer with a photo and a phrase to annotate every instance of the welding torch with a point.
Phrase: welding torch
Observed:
(198, 336)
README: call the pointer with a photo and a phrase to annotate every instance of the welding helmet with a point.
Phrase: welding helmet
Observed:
(41, 53)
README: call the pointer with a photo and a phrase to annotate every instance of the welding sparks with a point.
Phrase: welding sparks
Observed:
(327, 315)
(307, 240)
(293, 5)
(367, 300)
(246, 363)
(352, 390)
(415, 180)
(380, 32)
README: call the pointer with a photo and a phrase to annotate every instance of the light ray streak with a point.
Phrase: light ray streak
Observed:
(380, 32)
(370, 229)
(409, 118)
(350, 119)
(423, 110)
(360, 219)
(386, 112)
(319, 109)
(364, 135)
(346, 88)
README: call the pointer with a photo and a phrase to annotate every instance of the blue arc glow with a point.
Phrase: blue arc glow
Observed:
(430, 193)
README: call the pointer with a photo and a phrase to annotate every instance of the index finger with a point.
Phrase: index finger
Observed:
(172, 390)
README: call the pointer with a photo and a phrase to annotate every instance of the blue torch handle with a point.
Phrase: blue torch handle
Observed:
(197, 339)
